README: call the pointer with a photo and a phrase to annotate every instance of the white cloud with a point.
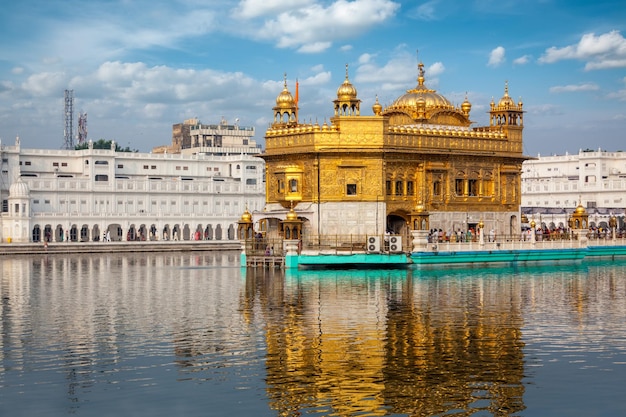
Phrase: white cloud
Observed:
(6, 86)
(51, 60)
(545, 110)
(313, 28)
(44, 84)
(496, 57)
(600, 52)
(435, 69)
(254, 8)
(425, 11)
(154, 110)
(66, 39)
(365, 58)
(606, 64)
(401, 68)
(619, 94)
(522, 60)
(345, 48)
(397, 74)
(319, 79)
(315, 47)
(574, 88)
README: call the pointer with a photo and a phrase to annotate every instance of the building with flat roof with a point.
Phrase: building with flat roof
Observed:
(552, 186)
(91, 194)
(192, 137)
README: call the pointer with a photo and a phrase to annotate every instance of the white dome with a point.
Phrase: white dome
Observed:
(19, 189)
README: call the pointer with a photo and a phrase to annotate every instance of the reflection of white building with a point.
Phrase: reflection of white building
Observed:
(552, 187)
(82, 195)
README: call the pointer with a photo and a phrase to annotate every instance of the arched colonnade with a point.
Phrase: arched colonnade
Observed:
(134, 232)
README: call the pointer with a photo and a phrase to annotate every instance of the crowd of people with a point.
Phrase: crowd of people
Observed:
(470, 235)
(541, 234)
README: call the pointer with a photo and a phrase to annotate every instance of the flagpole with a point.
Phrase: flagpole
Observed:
(297, 97)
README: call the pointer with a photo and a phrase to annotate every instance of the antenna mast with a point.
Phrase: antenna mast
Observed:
(68, 139)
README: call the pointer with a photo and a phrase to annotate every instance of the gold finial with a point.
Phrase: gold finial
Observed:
(285, 80)
(346, 71)
(377, 108)
(421, 72)
(506, 88)
(466, 106)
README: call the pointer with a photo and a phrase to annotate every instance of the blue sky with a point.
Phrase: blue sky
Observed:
(137, 66)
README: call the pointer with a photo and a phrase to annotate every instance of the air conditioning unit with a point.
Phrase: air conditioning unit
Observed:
(395, 243)
(373, 244)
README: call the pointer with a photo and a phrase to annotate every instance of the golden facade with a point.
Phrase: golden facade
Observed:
(415, 164)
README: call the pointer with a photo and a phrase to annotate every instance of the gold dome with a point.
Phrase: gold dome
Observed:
(422, 96)
(506, 101)
(285, 99)
(346, 91)
(292, 216)
(246, 217)
(425, 97)
(580, 209)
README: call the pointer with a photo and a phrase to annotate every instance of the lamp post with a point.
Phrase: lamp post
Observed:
(533, 239)
(613, 224)
(481, 238)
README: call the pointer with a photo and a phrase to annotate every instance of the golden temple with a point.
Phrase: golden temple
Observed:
(416, 164)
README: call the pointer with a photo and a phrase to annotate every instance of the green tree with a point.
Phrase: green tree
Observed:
(104, 144)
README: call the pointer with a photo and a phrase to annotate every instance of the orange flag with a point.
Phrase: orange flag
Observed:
(297, 100)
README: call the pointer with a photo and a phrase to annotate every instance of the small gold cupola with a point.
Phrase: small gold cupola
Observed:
(285, 112)
(347, 103)
(245, 228)
(579, 220)
(506, 112)
(292, 225)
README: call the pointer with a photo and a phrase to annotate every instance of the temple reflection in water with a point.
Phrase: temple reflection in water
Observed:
(354, 343)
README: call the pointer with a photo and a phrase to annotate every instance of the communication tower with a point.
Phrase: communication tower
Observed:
(82, 128)
(68, 136)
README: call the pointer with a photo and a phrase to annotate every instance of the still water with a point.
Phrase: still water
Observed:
(193, 334)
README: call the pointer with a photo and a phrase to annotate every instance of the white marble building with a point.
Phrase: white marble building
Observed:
(552, 187)
(91, 194)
